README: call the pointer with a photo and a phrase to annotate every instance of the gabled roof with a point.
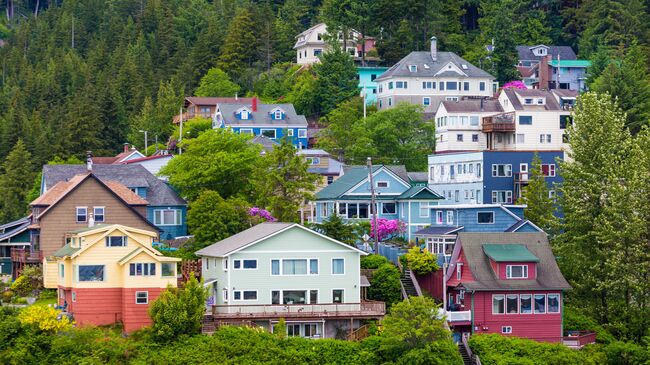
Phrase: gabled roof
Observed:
(15, 223)
(262, 116)
(355, 175)
(16, 230)
(438, 230)
(257, 234)
(550, 104)
(212, 101)
(571, 63)
(66, 251)
(422, 58)
(473, 106)
(419, 192)
(517, 226)
(267, 143)
(526, 52)
(509, 253)
(418, 176)
(142, 159)
(548, 277)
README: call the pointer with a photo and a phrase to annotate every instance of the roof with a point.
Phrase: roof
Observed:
(364, 282)
(63, 188)
(352, 176)
(212, 101)
(526, 71)
(312, 152)
(565, 93)
(421, 58)
(473, 106)
(141, 159)
(551, 103)
(419, 192)
(418, 176)
(129, 175)
(267, 143)
(126, 193)
(66, 251)
(526, 52)
(548, 277)
(88, 229)
(17, 222)
(16, 230)
(333, 168)
(438, 230)
(262, 116)
(509, 253)
(571, 63)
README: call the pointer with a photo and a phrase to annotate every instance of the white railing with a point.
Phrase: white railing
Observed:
(296, 310)
(462, 316)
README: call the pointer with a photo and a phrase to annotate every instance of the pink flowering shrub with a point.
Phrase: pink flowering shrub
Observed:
(387, 228)
(261, 214)
(515, 85)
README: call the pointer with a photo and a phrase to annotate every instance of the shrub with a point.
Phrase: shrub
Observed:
(7, 296)
(385, 285)
(30, 279)
(373, 261)
(421, 262)
(43, 319)
(574, 320)
(47, 294)
(22, 286)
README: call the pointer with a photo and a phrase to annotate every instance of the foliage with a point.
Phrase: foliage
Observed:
(282, 182)
(217, 160)
(336, 79)
(191, 129)
(497, 25)
(515, 85)
(30, 279)
(420, 261)
(22, 286)
(10, 326)
(385, 285)
(211, 218)
(342, 132)
(44, 319)
(261, 214)
(386, 228)
(373, 261)
(15, 182)
(335, 227)
(540, 207)
(575, 320)
(216, 83)
(178, 312)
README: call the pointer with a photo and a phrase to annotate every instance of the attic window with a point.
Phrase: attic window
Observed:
(278, 115)
(528, 101)
(540, 101)
(464, 66)
(413, 68)
(244, 115)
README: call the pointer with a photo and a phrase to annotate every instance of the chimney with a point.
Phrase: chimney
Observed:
(434, 48)
(89, 161)
(254, 102)
(91, 220)
(543, 72)
(126, 147)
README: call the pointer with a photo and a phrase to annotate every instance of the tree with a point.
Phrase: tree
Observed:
(240, 45)
(216, 160)
(15, 183)
(341, 132)
(336, 79)
(497, 26)
(540, 206)
(335, 227)
(179, 312)
(283, 183)
(211, 218)
(385, 285)
(216, 83)
(628, 81)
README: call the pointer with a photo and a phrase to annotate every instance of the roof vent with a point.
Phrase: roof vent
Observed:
(426, 66)
(464, 66)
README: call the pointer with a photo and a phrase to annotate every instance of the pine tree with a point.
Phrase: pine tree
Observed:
(217, 83)
(15, 183)
(539, 205)
(240, 45)
(336, 79)
(497, 26)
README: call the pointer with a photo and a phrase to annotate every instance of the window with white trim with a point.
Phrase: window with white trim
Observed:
(116, 241)
(277, 115)
(506, 330)
(167, 217)
(501, 170)
(268, 133)
(90, 273)
(501, 196)
(553, 303)
(302, 133)
(424, 210)
(338, 266)
(244, 295)
(246, 264)
(485, 217)
(450, 217)
(498, 304)
(540, 303)
(388, 208)
(142, 297)
(382, 184)
(439, 215)
(142, 269)
(548, 170)
(98, 214)
(525, 304)
(544, 138)
(290, 132)
(517, 271)
(81, 214)
(426, 101)
(459, 271)
(168, 269)
(512, 304)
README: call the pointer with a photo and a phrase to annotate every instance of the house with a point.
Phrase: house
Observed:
(284, 270)
(13, 235)
(552, 67)
(312, 43)
(127, 154)
(273, 121)
(321, 163)
(506, 283)
(108, 274)
(367, 84)
(533, 55)
(163, 206)
(153, 163)
(396, 195)
(204, 107)
(429, 77)
(459, 124)
(566, 75)
(489, 177)
(447, 221)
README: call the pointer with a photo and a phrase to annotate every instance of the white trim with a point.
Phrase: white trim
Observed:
(493, 217)
(241, 295)
(281, 261)
(76, 215)
(241, 264)
(365, 179)
(275, 132)
(103, 208)
(492, 304)
(248, 130)
(382, 182)
(76, 273)
(139, 292)
(332, 267)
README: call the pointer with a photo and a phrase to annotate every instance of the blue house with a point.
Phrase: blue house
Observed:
(367, 84)
(397, 196)
(488, 177)
(166, 209)
(448, 220)
(13, 235)
(273, 121)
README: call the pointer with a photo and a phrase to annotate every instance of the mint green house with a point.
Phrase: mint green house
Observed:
(284, 270)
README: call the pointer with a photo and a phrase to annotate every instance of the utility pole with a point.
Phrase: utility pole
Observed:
(373, 206)
(146, 143)
(180, 132)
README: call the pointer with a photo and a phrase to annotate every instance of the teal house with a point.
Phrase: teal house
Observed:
(13, 235)
(367, 76)
(398, 193)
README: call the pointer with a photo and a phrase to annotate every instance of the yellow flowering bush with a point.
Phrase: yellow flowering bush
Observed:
(43, 318)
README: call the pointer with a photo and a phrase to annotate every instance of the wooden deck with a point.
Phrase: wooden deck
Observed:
(26, 256)
(499, 123)
(363, 310)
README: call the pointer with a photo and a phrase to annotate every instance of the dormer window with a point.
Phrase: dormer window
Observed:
(528, 101)
(540, 101)
(244, 115)
(517, 271)
(277, 115)
(413, 68)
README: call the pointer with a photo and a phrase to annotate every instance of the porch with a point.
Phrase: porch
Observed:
(363, 310)
(26, 256)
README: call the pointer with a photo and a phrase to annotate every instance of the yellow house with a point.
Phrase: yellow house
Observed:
(108, 274)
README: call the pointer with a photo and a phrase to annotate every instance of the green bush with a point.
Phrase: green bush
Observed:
(22, 286)
(7, 296)
(373, 261)
(421, 262)
(385, 285)
(31, 279)
(574, 320)
(47, 294)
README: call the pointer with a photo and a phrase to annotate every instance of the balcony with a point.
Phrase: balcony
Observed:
(501, 123)
(26, 256)
(521, 177)
(578, 339)
(276, 311)
(458, 317)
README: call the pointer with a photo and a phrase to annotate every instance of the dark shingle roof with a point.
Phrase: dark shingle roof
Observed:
(549, 276)
(551, 103)
(419, 192)
(438, 230)
(263, 115)
(473, 106)
(526, 54)
(16, 230)
(420, 59)
(418, 176)
(129, 175)
(267, 143)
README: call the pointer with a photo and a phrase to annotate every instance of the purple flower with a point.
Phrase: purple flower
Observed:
(261, 213)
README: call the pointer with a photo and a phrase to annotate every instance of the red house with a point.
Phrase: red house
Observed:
(507, 283)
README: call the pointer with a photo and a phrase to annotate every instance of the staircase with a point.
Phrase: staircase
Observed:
(208, 326)
(407, 284)
(463, 353)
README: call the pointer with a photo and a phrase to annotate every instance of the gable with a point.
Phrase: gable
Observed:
(450, 67)
(396, 186)
(297, 238)
(502, 219)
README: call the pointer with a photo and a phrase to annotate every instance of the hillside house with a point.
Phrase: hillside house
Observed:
(204, 107)
(312, 43)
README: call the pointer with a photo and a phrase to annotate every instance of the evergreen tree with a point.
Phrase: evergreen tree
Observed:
(341, 134)
(240, 45)
(540, 206)
(211, 218)
(217, 83)
(15, 183)
(283, 183)
(497, 26)
(336, 79)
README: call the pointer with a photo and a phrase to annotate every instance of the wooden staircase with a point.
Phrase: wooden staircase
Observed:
(210, 325)
(407, 284)
(463, 353)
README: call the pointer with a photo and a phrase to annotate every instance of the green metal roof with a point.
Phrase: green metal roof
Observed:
(65, 251)
(352, 177)
(129, 254)
(86, 229)
(571, 63)
(509, 253)
(419, 192)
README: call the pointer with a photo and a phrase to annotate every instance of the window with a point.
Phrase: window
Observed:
(540, 101)
(337, 296)
(474, 137)
(459, 138)
(225, 294)
(373, 77)
(456, 195)
(142, 269)
(167, 217)
(451, 98)
(330, 179)
(528, 101)
(553, 303)
(544, 138)
(73, 296)
(401, 84)
(520, 138)
(318, 52)
(290, 132)
(388, 208)
(312, 330)
(466, 86)
(501, 196)
(338, 266)
(439, 215)
(323, 211)
(204, 111)
(275, 267)
(481, 86)
(61, 271)
(540, 303)
(478, 169)
(302, 133)
(90, 273)
(293, 330)
(525, 304)
(450, 217)
(313, 267)
(294, 267)
(245, 295)
(525, 120)
(512, 303)
(485, 217)
(224, 263)
(548, 170)
(428, 85)
(459, 271)
(142, 297)
(269, 133)
(424, 210)
(382, 184)
(277, 115)
(250, 264)
(248, 131)
(501, 170)
(390, 101)
(168, 269)
(390, 85)
(98, 214)
(517, 271)
(116, 241)
(506, 330)
(452, 85)
(498, 304)
(244, 115)
(413, 68)
(551, 194)
(426, 101)
(565, 120)
(82, 213)
(313, 160)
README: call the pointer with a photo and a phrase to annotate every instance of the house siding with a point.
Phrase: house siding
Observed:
(279, 133)
(169, 232)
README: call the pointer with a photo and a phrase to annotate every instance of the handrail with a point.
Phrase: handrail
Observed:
(415, 283)
(404, 295)
(466, 346)
(329, 309)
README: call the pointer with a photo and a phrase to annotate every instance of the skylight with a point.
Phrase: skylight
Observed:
(464, 66)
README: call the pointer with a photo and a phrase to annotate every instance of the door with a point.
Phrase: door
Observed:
(523, 171)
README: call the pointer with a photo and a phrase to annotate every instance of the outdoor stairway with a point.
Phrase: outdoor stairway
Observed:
(208, 326)
(407, 284)
(463, 353)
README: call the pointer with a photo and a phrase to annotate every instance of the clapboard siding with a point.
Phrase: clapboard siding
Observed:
(98, 307)
(136, 316)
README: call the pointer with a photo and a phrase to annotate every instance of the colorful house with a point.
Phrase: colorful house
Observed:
(273, 121)
(205, 106)
(506, 283)
(367, 84)
(108, 274)
(312, 43)
(13, 235)
(284, 270)
(397, 197)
